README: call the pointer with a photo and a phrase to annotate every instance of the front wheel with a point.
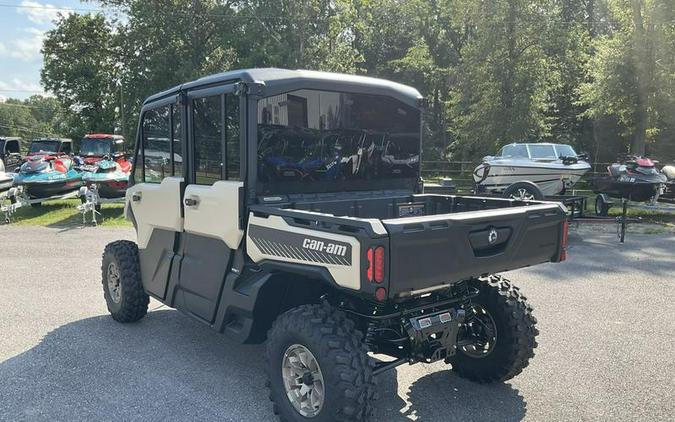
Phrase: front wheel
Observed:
(318, 367)
(498, 338)
(122, 285)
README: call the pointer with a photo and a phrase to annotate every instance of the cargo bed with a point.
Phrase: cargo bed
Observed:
(434, 240)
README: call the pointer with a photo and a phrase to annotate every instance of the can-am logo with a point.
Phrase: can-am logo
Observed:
(320, 246)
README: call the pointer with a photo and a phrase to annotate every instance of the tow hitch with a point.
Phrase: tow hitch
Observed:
(434, 337)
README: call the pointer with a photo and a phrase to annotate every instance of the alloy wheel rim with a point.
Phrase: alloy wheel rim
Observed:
(482, 329)
(523, 195)
(114, 285)
(303, 380)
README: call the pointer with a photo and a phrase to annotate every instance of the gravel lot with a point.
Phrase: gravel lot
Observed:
(606, 318)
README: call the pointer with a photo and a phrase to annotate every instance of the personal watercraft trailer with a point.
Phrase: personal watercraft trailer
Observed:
(48, 170)
(632, 178)
(105, 168)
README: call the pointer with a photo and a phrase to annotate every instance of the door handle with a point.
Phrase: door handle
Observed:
(191, 202)
(136, 197)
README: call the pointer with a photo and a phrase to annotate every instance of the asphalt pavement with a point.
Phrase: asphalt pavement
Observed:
(606, 348)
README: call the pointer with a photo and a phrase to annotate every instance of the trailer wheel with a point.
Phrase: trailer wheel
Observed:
(524, 191)
(318, 367)
(497, 342)
(601, 206)
(122, 285)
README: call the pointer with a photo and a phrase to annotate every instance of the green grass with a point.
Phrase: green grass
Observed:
(64, 214)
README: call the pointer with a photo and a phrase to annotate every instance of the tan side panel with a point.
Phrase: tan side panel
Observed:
(217, 213)
(159, 207)
(347, 276)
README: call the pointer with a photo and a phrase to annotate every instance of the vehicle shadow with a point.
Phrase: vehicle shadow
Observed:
(169, 367)
(601, 253)
(443, 396)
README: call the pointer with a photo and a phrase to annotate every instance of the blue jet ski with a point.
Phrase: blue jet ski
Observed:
(43, 176)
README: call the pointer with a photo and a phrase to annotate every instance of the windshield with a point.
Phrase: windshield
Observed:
(565, 151)
(44, 146)
(322, 141)
(96, 147)
(542, 152)
(514, 151)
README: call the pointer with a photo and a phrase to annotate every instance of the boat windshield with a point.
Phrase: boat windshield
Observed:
(565, 151)
(96, 147)
(44, 146)
(542, 152)
(514, 151)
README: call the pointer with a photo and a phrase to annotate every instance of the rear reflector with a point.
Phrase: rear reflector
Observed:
(380, 294)
(564, 240)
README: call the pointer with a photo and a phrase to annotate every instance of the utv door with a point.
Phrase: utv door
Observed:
(211, 201)
(153, 203)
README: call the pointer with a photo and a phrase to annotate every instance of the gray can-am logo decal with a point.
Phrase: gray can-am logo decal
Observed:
(492, 236)
(318, 245)
(286, 244)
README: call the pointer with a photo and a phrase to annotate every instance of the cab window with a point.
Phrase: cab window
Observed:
(156, 145)
(216, 138)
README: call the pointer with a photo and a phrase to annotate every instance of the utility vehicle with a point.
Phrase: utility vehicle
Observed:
(10, 153)
(344, 276)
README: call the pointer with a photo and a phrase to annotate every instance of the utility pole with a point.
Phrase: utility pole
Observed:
(124, 132)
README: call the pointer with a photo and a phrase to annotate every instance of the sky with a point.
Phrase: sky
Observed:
(23, 24)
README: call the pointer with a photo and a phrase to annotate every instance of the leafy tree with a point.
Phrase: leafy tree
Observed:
(80, 68)
(632, 71)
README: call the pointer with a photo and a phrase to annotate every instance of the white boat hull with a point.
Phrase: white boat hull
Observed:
(551, 177)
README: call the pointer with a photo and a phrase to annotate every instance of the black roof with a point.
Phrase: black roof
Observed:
(276, 81)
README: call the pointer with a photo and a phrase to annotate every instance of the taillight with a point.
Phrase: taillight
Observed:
(564, 240)
(376, 264)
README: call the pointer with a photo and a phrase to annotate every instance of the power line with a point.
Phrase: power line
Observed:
(217, 15)
(55, 8)
(24, 106)
(22, 90)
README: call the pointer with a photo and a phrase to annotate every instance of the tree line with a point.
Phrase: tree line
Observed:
(597, 74)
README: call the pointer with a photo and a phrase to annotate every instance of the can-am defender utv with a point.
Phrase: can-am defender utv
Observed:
(324, 268)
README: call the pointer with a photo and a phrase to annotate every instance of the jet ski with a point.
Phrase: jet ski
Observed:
(44, 176)
(102, 161)
(634, 178)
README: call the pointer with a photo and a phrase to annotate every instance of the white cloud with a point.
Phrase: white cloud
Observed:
(17, 87)
(24, 47)
(41, 13)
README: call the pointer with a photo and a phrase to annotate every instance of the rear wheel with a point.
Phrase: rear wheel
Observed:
(122, 286)
(524, 191)
(318, 367)
(498, 339)
(601, 206)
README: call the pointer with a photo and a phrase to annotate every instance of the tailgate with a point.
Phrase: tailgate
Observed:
(441, 249)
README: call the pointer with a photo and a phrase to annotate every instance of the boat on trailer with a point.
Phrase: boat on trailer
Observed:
(554, 168)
